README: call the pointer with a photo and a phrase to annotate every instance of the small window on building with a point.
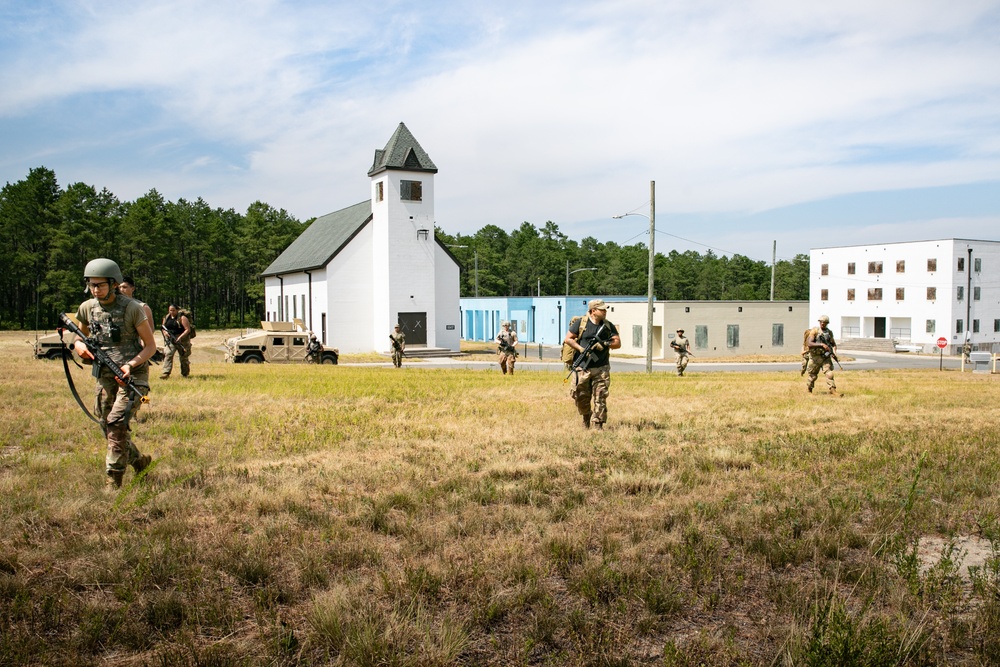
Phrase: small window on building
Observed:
(637, 335)
(379, 191)
(732, 336)
(961, 293)
(932, 265)
(824, 269)
(850, 294)
(961, 264)
(850, 268)
(824, 294)
(701, 336)
(900, 266)
(932, 293)
(959, 326)
(975, 326)
(900, 293)
(303, 306)
(777, 335)
(931, 325)
(874, 293)
(978, 264)
(976, 293)
(996, 326)
(411, 191)
(874, 267)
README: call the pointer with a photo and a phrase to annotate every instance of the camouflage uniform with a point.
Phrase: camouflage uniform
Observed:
(506, 358)
(172, 345)
(114, 328)
(819, 362)
(397, 353)
(680, 347)
(594, 382)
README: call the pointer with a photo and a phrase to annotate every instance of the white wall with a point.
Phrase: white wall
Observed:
(351, 285)
(446, 282)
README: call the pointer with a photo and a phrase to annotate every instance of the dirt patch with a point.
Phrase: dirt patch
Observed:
(966, 550)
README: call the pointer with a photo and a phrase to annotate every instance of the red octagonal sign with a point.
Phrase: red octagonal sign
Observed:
(942, 342)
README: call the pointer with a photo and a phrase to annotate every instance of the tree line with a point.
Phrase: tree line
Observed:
(210, 259)
(530, 260)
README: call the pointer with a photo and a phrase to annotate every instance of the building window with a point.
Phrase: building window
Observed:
(930, 326)
(824, 294)
(975, 326)
(379, 191)
(976, 293)
(900, 293)
(850, 294)
(701, 336)
(874, 293)
(850, 268)
(303, 306)
(636, 335)
(996, 326)
(931, 265)
(411, 191)
(961, 264)
(961, 293)
(900, 266)
(732, 335)
(978, 264)
(824, 269)
(959, 326)
(777, 335)
(423, 234)
(874, 267)
(932, 293)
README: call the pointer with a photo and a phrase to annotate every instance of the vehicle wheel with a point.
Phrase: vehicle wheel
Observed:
(330, 359)
(252, 359)
(54, 354)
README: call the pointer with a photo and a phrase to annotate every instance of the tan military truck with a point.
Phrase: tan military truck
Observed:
(279, 343)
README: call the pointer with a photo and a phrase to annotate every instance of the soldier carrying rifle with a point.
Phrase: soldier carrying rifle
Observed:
(822, 354)
(506, 348)
(593, 339)
(398, 339)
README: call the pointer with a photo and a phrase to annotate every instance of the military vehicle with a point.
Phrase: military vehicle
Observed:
(278, 343)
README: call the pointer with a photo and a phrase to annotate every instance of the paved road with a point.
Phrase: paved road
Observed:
(861, 360)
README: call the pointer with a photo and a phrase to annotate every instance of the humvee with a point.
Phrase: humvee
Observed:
(278, 343)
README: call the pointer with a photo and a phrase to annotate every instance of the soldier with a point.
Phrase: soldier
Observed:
(682, 348)
(805, 348)
(128, 289)
(593, 381)
(120, 326)
(822, 347)
(398, 345)
(177, 338)
(507, 348)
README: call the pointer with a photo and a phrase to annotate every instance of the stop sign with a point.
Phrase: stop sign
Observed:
(942, 342)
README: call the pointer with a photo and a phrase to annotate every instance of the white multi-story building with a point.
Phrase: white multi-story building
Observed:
(913, 293)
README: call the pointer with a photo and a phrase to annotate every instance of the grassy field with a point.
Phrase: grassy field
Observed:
(334, 515)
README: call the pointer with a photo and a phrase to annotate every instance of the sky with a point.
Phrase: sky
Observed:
(800, 124)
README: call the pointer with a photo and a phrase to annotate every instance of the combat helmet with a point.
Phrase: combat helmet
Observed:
(824, 318)
(103, 268)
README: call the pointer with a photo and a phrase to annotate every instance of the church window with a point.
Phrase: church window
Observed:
(411, 191)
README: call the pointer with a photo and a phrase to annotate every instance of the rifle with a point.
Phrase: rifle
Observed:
(583, 360)
(678, 348)
(101, 357)
(506, 347)
(168, 338)
(395, 344)
(833, 355)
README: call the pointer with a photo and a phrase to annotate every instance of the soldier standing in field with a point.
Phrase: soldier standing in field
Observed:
(121, 329)
(822, 347)
(128, 289)
(177, 332)
(594, 380)
(507, 348)
(398, 345)
(682, 348)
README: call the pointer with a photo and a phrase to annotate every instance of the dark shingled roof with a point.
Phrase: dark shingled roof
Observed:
(322, 240)
(403, 152)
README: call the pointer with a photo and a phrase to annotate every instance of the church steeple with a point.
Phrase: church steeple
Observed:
(403, 152)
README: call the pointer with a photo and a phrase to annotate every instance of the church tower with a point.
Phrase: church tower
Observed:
(403, 243)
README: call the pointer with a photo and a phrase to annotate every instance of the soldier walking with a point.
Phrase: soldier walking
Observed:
(506, 348)
(398, 345)
(177, 338)
(822, 348)
(682, 348)
(593, 381)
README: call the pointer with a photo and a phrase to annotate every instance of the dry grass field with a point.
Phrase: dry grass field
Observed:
(352, 515)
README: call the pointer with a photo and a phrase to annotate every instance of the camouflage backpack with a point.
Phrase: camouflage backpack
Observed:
(184, 312)
(568, 352)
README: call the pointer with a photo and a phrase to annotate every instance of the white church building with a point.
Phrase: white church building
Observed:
(353, 274)
(909, 295)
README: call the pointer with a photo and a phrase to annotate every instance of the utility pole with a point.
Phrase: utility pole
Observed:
(774, 259)
(649, 287)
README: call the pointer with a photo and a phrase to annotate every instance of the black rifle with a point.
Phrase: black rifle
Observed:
(678, 348)
(833, 355)
(167, 336)
(582, 362)
(395, 344)
(506, 347)
(101, 357)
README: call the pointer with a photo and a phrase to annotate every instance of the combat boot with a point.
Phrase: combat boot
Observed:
(114, 480)
(586, 421)
(834, 392)
(141, 463)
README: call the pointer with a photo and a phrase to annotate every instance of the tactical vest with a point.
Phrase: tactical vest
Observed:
(173, 325)
(107, 327)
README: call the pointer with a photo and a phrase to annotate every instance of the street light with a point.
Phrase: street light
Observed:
(475, 252)
(649, 287)
(569, 273)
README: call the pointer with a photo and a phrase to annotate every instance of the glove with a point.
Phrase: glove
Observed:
(81, 349)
